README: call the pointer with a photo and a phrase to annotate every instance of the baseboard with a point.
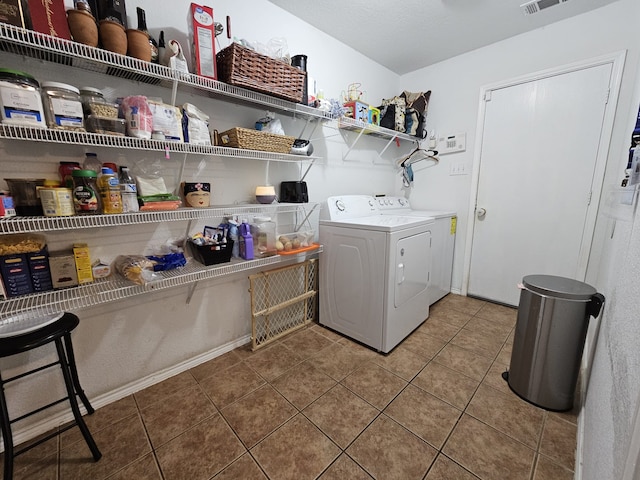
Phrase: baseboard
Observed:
(44, 426)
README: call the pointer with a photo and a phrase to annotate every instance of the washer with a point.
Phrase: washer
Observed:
(374, 271)
(442, 241)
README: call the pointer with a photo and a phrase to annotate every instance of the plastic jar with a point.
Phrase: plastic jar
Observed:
(109, 188)
(86, 198)
(62, 106)
(263, 231)
(20, 99)
(90, 96)
(64, 170)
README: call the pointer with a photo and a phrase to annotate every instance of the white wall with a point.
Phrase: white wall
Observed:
(126, 345)
(612, 394)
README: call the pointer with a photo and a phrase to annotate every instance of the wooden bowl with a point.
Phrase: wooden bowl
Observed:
(83, 27)
(138, 44)
(113, 36)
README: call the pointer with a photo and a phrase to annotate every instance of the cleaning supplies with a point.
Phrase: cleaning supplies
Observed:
(246, 241)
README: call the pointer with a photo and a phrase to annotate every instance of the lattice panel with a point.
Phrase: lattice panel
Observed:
(282, 300)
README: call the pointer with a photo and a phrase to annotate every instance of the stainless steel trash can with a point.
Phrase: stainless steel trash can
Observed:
(553, 316)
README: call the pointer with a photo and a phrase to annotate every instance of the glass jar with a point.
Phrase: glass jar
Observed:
(86, 197)
(20, 99)
(62, 106)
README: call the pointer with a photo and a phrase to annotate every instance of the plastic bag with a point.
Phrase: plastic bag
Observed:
(136, 268)
(138, 116)
(167, 119)
(195, 124)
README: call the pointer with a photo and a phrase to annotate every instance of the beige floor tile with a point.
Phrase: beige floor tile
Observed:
(487, 327)
(439, 328)
(231, 384)
(245, 468)
(258, 414)
(306, 342)
(345, 469)
(144, 468)
(39, 463)
(463, 304)
(303, 384)
(425, 415)
(504, 356)
(422, 344)
(548, 470)
(337, 361)
(159, 391)
(273, 361)
(446, 469)
(499, 314)
(449, 316)
(215, 365)
(464, 361)
(121, 444)
(201, 452)
(559, 441)
(296, 450)
(101, 418)
(388, 451)
(449, 385)
(488, 453)
(403, 363)
(326, 332)
(185, 408)
(494, 378)
(508, 414)
(484, 344)
(374, 384)
(341, 415)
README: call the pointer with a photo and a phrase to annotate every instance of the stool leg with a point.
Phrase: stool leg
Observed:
(68, 380)
(7, 436)
(74, 373)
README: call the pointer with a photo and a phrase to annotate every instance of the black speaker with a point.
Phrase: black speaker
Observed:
(294, 192)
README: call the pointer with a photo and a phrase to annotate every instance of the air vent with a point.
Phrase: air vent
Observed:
(535, 6)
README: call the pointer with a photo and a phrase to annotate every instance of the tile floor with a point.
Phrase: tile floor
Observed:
(317, 405)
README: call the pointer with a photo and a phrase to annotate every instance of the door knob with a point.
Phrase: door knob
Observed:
(480, 213)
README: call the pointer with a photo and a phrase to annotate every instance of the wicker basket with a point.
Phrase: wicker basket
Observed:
(255, 140)
(237, 65)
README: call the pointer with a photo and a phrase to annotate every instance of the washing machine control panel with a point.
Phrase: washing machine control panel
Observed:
(349, 206)
(393, 203)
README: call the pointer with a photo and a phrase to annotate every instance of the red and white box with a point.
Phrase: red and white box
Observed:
(202, 33)
(50, 17)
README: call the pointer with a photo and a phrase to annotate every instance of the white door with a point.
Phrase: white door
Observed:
(536, 175)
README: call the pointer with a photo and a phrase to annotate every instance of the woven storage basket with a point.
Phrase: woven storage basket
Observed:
(237, 65)
(255, 140)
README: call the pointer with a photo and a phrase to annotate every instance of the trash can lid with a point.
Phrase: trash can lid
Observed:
(559, 287)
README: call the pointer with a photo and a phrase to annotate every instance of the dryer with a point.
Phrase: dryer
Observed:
(442, 241)
(374, 271)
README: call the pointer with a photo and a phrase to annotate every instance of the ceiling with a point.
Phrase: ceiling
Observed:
(408, 35)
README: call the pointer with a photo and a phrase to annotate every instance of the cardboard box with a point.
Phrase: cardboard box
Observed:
(15, 12)
(7, 207)
(63, 269)
(16, 275)
(39, 270)
(50, 17)
(202, 33)
(83, 263)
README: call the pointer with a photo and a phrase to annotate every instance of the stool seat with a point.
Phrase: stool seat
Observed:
(57, 331)
(15, 344)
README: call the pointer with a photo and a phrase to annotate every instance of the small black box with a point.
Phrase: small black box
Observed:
(293, 192)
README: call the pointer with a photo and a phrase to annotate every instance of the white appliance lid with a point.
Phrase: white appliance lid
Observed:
(382, 223)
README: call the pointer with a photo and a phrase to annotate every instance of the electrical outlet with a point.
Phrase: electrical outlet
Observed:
(458, 168)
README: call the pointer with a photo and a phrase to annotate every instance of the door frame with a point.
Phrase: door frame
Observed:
(616, 60)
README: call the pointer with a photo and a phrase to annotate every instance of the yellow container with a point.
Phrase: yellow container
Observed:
(83, 263)
(57, 202)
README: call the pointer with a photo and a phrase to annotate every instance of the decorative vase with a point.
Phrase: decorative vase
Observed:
(138, 44)
(113, 36)
(83, 27)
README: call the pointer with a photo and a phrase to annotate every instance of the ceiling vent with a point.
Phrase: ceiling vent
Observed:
(535, 6)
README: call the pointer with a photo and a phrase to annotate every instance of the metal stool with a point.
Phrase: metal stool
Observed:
(55, 329)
